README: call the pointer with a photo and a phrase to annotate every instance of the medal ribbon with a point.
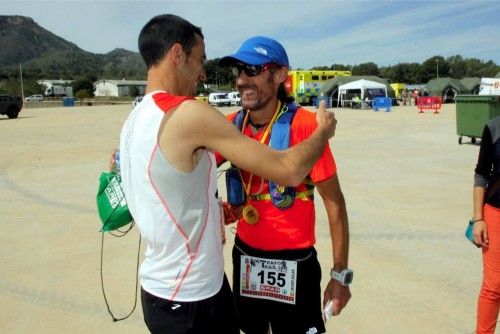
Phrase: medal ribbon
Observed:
(248, 185)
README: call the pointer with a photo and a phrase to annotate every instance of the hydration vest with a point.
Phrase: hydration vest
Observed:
(282, 197)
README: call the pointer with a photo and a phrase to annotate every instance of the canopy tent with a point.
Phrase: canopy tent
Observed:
(361, 88)
(446, 88)
(330, 88)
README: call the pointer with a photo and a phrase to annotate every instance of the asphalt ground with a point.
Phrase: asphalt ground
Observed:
(407, 183)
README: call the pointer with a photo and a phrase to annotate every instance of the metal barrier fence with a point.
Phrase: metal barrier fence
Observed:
(429, 103)
(382, 102)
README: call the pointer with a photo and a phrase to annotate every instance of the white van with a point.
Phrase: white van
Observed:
(34, 98)
(219, 99)
(235, 98)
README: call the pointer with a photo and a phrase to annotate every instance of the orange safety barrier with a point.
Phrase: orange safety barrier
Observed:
(429, 102)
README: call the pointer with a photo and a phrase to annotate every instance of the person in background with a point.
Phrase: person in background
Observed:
(416, 94)
(274, 244)
(169, 179)
(356, 102)
(404, 97)
(486, 219)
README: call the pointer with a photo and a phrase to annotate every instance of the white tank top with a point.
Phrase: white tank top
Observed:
(177, 213)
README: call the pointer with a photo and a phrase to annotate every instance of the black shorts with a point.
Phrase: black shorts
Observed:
(216, 314)
(256, 315)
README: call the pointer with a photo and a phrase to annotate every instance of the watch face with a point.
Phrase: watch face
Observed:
(348, 277)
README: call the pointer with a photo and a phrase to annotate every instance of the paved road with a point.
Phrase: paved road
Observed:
(406, 181)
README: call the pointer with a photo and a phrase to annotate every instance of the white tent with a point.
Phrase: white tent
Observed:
(362, 87)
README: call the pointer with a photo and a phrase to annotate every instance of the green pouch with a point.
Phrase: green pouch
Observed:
(111, 203)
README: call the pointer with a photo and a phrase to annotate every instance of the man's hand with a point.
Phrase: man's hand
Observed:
(338, 294)
(111, 162)
(326, 120)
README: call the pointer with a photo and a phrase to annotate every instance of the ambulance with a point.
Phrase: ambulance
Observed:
(305, 85)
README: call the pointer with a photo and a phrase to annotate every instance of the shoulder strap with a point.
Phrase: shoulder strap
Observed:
(238, 119)
(282, 197)
(234, 187)
(280, 132)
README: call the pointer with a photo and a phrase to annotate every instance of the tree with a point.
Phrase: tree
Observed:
(434, 67)
(84, 84)
(489, 69)
(216, 75)
(458, 67)
(320, 68)
(30, 87)
(134, 91)
(82, 94)
(365, 69)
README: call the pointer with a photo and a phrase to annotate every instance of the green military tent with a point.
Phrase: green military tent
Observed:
(471, 84)
(446, 88)
(330, 88)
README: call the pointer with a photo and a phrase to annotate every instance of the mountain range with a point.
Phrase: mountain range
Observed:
(44, 55)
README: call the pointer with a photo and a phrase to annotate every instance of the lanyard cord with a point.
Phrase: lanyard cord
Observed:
(115, 319)
(277, 113)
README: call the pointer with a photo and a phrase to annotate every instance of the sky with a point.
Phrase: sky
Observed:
(314, 33)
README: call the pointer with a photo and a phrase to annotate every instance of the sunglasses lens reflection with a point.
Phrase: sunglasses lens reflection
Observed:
(250, 70)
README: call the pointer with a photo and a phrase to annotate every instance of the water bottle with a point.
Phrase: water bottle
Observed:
(116, 168)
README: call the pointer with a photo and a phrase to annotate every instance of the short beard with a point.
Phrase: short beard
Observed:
(260, 103)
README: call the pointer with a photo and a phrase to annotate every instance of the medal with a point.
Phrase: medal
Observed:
(250, 214)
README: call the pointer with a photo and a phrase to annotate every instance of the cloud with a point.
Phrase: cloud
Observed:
(313, 32)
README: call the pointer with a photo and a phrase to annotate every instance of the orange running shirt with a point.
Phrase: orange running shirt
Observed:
(294, 227)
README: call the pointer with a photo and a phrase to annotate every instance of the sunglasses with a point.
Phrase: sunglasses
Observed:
(251, 70)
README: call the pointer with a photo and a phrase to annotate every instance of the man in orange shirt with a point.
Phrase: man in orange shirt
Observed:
(276, 274)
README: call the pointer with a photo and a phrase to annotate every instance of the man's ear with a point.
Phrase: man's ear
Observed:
(282, 74)
(177, 53)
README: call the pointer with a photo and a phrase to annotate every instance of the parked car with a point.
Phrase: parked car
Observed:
(34, 98)
(137, 100)
(219, 99)
(235, 98)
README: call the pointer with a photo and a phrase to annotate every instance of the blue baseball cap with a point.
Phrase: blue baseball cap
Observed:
(258, 50)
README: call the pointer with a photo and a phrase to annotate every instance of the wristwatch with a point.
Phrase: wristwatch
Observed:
(344, 277)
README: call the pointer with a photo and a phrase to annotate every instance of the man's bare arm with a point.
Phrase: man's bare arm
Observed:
(335, 206)
(288, 167)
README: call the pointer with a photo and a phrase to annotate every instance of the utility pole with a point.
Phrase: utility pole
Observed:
(437, 68)
(21, 76)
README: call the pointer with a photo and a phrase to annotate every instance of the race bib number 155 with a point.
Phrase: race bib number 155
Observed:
(268, 279)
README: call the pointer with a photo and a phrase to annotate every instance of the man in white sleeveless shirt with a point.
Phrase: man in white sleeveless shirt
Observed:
(169, 179)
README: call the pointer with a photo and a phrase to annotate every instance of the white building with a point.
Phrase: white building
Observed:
(118, 88)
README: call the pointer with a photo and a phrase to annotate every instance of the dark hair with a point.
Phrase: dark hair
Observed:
(283, 94)
(161, 33)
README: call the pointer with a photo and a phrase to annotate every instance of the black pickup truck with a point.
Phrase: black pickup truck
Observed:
(10, 105)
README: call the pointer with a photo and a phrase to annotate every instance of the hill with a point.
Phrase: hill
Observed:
(48, 56)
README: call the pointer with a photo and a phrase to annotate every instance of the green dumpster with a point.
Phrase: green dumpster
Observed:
(473, 111)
